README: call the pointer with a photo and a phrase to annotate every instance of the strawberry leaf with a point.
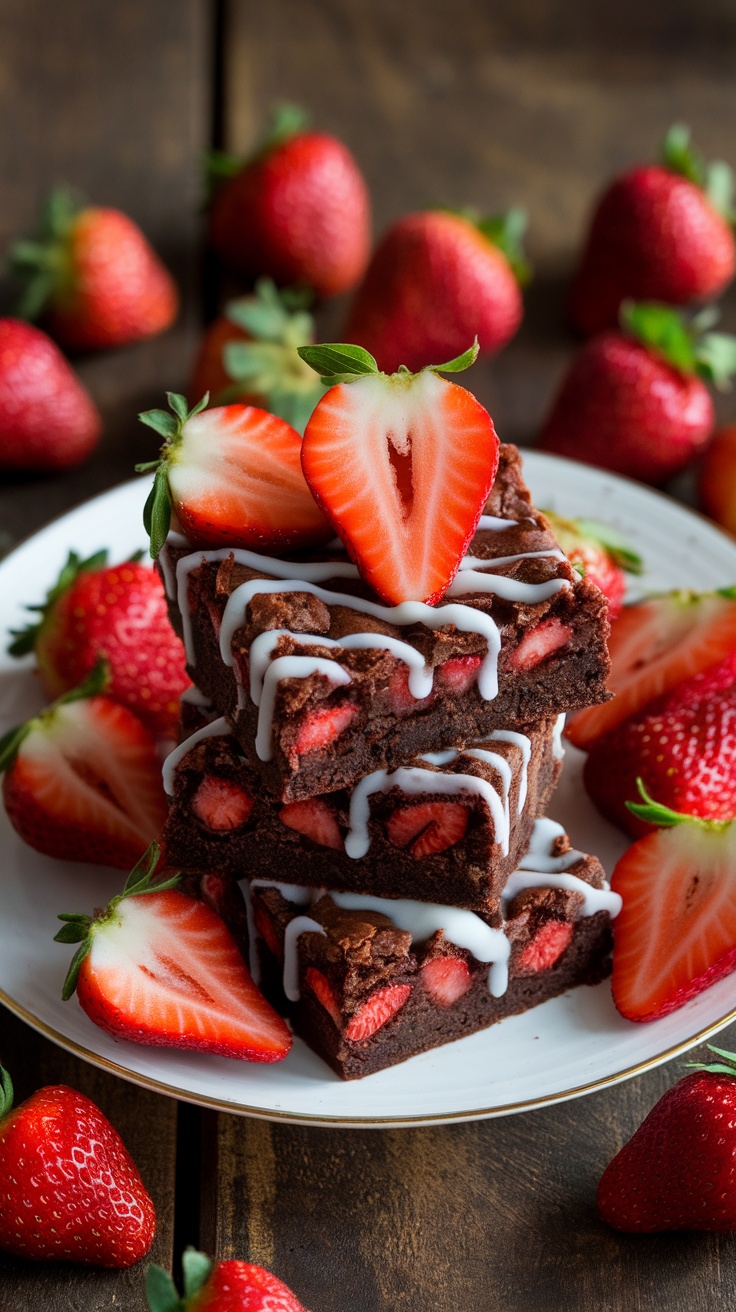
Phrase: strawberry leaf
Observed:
(616, 546)
(75, 931)
(715, 355)
(657, 814)
(196, 1268)
(95, 684)
(506, 231)
(161, 1291)
(160, 421)
(661, 329)
(726, 1067)
(70, 983)
(460, 362)
(338, 362)
(273, 316)
(9, 744)
(719, 188)
(178, 404)
(680, 157)
(6, 1093)
(24, 640)
(157, 510)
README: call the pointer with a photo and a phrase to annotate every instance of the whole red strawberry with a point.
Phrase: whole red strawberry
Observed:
(659, 233)
(83, 779)
(634, 402)
(683, 747)
(71, 1192)
(436, 281)
(93, 277)
(298, 210)
(678, 1172)
(219, 1287)
(119, 613)
(600, 554)
(47, 420)
(249, 355)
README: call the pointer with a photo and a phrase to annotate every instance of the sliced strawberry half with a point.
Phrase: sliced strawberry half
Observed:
(314, 818)
(402, 466)
(654, 646)
(83, 780)
(676, 933)
(159, 967)
(427, 827)
(446, 979)
(221, 804)
(374, 1014)
(231, 475)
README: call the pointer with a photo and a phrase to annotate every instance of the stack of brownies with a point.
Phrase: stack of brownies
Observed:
(378, 775)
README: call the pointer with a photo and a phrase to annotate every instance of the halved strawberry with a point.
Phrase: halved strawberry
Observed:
(232, 475)
(158, 967)
(391, 459)
(655, 645)
(323, 725)
(83, 779)
(459, 673)
(427, 827)
(547, 945)
(221, 804)
(315, 818)
(446, 979)
(676, 933)
(540, 642)
(600, 554)
(380, 1007)
(320, 987)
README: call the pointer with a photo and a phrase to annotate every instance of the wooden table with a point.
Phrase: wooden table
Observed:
(517, 102)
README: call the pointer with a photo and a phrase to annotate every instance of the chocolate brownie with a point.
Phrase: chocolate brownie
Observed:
(368, 983)
(449, 829)
(324, 684)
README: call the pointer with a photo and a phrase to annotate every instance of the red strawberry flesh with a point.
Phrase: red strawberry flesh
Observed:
(323, 726)
(546, 947)
(321, 989)
(427, 827)
(316, 819)
(377, 1011)
(446, 979)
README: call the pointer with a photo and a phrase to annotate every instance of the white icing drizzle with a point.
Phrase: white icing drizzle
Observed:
(539, 855)
(524, 745)
(218, 729)
(299, 925)
(420, 676)
(519, 740)
(193, 696)
(558, 747)
(289, 667)
(412, 780)
(492, 523)
(529, 594)
(540, 869)
(440, 758)
(492, 562)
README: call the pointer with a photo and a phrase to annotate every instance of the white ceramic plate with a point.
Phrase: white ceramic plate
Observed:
(567, 1047)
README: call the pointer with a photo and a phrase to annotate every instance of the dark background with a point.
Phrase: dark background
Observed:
(516, 102)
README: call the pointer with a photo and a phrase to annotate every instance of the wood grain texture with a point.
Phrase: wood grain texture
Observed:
(113, 99)
(494, 1216)
(493, 105)
(147, 1125)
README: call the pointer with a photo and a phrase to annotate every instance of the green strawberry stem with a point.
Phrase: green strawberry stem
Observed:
(715, 179)
(6, 1093)
(24, 640)
(663, 816)
(161, 1291)
(42, 263)
(157, 510)
(93, 685)
(682, 344)
(285, 122)
(341, 362)
(726, 1067)
(81, 928)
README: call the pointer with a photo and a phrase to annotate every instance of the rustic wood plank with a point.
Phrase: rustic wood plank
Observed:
(115, 100)
(147, 1125)
(495, 1216)
(492, 105)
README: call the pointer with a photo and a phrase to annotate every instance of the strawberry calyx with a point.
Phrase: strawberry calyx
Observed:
(570, 531)
(269, 366)
(715, 178)
(725, 1067)
(341, 362)
(157, 510)
(81, 928)
(286, 121)
(161, 1291)
(506, 231)
(6, 1094)
(655, 813)
(42, 262)
(94, 685)
(687, 346)
(24, 640)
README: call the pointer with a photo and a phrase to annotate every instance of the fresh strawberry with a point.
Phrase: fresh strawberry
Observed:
(47, 420)
(297, 210)
(459, 673)
(676, 934)
(435, 282)
(660, 233)
(316, 819)
(249, 355)
(540, 642)
(380, 1007)
(227, 900)
(717, 479)
(232, 476)
(323, 726)
(221, 804)
(83, 779)
(161, 968)
(231, 1286)
(320, 986)
(446, 979)
(678, 1172)
(71, 1191)
(654, 646)
(427, 827)
(546, 947)
(634, 401)
(93, 276)
(389, 458)
(117, 613)
(682, 746)
(599, 554)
